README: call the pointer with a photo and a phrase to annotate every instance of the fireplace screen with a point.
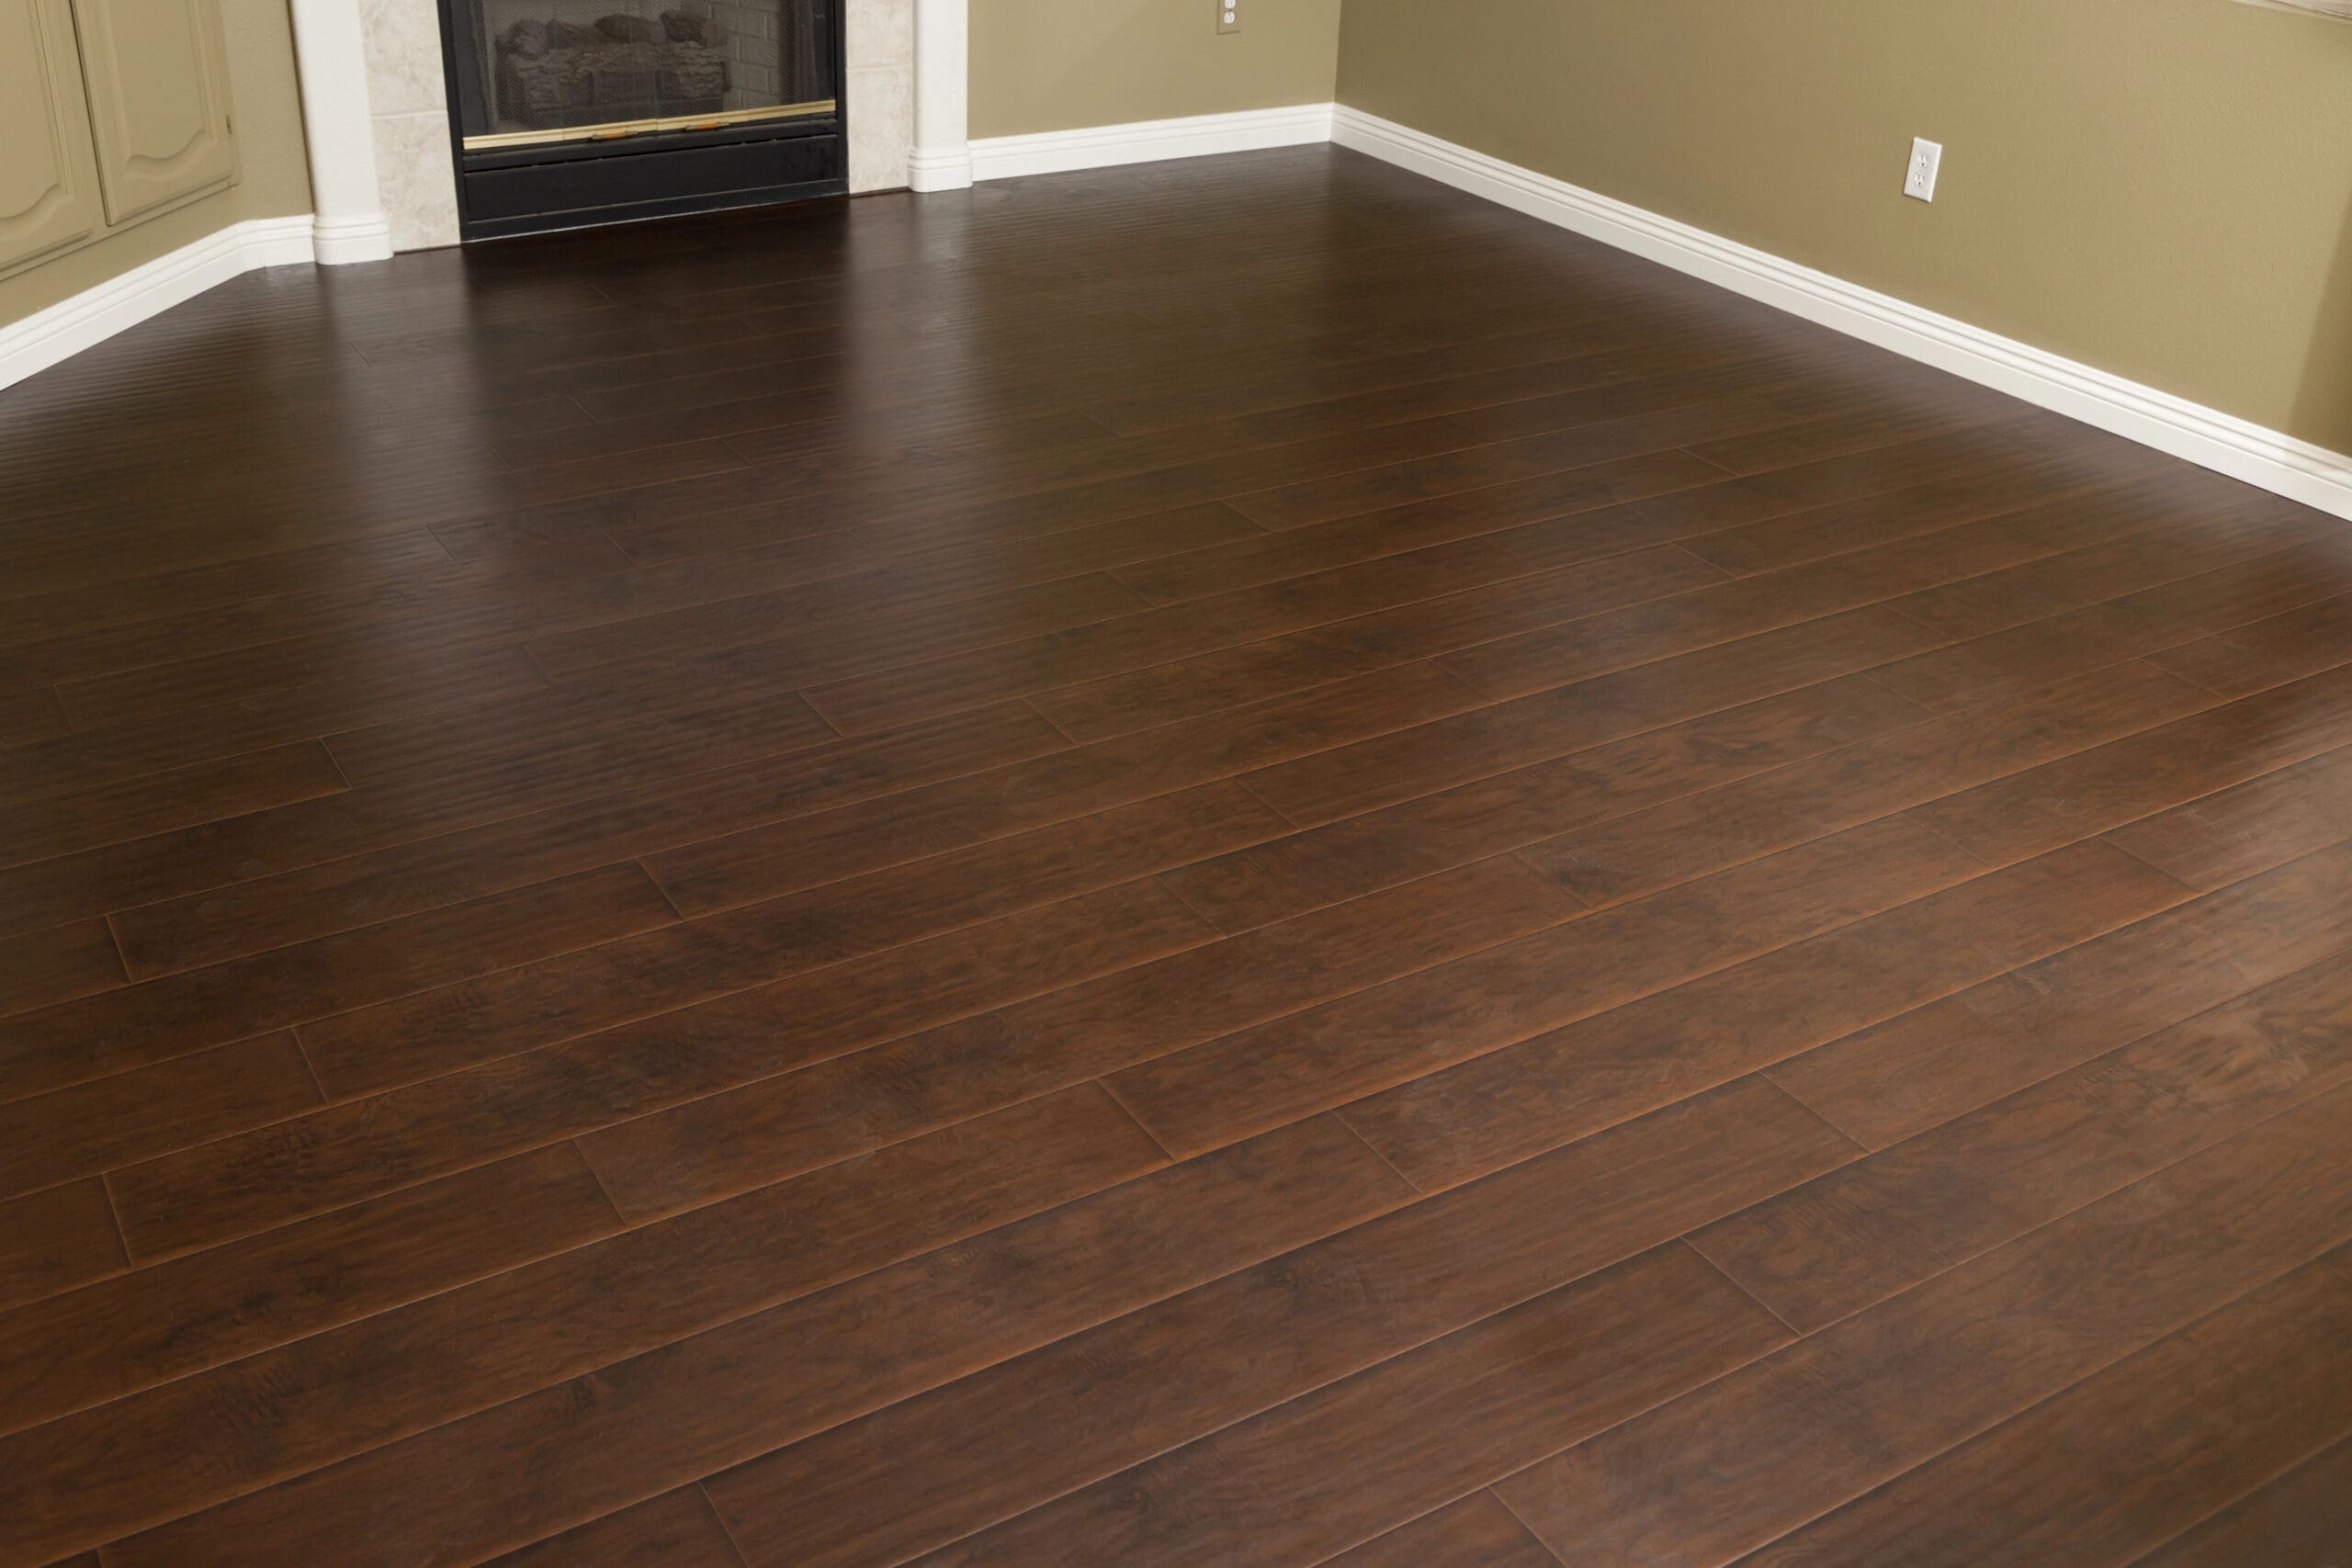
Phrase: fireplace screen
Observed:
(578, 70)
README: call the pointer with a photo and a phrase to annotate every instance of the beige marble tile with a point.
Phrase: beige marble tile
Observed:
(403, 44)
(881, 33)
(417, 179)
(881, 127)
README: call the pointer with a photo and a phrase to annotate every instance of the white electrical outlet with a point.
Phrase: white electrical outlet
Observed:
(1229, 18)
(1926, 160)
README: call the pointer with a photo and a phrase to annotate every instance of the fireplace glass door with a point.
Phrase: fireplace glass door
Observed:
(573, 112)
(573, 69)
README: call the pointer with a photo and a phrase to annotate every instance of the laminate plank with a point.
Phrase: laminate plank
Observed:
(177, 1015)
(1895, 1079)
(2266, 653)
(677, 1529)
(2039, 472)
(338, 699)
(1756, 1454)
(110, 1122)
(1221, 1089)
(356, 1149)
(1476, 1532)
(722, 1144)
(352, 1389)
(823, 1358)
(58, 965)
(1402, 478)
(55, 1239)
(1301, 871)
(1451, 1125)
(2298, 1521)
(1950, 1193)
(1384, 770)
(1611, 861)
(323, 896)
(933, 1470)
(1881, 424)
(111, 1339)
(2140, 775)
(1245, 563)
(1357, 645)
(2190, 1422)
(579, 993)
(807, 851)
(137, 808)
(1136, 641)
(1347, 1462)
(2186, 530)
(1901, 569)
(26, 716)
(2248, 828)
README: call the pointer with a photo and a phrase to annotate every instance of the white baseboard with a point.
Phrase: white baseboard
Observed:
(68, 327)
(339, 242)
(2205, 436)
(1148, 140)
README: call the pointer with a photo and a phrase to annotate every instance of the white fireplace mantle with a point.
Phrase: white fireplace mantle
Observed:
(375, 114)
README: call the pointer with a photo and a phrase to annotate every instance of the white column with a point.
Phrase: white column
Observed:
(942, 159)
(348, 224)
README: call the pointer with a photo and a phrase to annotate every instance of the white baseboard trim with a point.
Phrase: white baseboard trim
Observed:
(67, 328)
(339, 242)
(2205, 436)
(1148, 140)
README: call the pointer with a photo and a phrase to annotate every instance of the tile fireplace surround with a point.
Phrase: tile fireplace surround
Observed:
(409, 111)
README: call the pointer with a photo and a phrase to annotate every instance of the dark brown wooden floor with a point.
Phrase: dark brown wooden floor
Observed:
(1238, 862)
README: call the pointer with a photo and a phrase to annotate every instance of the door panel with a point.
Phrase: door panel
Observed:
(158, 101)
(49, 184)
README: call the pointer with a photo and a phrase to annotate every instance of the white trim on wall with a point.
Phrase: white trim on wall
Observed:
(66, 329)
(2205, 436)
(1148, 140)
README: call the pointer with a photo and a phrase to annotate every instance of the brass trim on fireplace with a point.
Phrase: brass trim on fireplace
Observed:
(609, 129)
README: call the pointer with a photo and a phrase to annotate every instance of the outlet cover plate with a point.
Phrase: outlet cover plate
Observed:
(1927, 163)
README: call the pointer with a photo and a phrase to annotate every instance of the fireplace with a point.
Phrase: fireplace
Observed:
(567, 113)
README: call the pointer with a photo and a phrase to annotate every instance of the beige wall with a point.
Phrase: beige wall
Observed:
(2161, 188)
(1056, 64)
(274, 177)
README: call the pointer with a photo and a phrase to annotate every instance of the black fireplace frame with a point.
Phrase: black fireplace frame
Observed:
(552, 185)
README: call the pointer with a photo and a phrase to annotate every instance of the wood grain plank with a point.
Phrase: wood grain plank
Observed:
(812, 850)
(358, 1147)
(1778, 1444)
(177, 1015)
(55, 1239)
(755, 1133)
(1357, 1045)
(134, 1330)
(1948, 1194)
(541, 1004)
(846, 1348)
(2193, 1421)
(372, 1381)
(1349, 1461)
(1305, 869)
(58, 965)
(1450, 1125)
(1476, 1530)
(933, 1470)
(677, 1529)
(1894, 1079)
(1611, 862)
(110, 1122)
(2299, 1521)
(135, 808)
